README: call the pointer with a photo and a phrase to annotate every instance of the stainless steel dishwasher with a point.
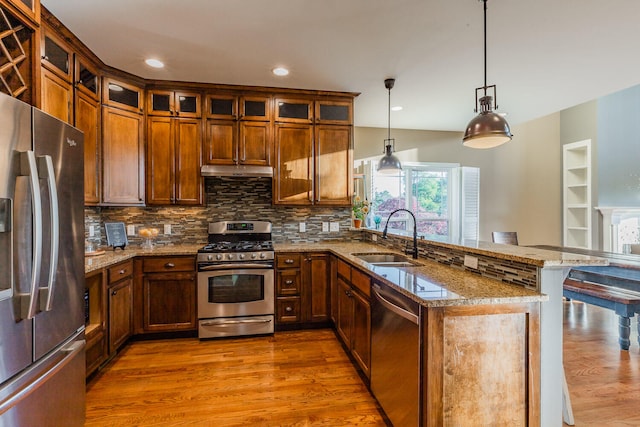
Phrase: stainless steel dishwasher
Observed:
(395, 355)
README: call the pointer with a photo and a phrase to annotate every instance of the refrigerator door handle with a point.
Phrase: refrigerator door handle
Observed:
(29, 301)
(46, 171)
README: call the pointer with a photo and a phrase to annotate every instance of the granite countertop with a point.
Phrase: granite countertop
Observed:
(110, 257)
(431, 284)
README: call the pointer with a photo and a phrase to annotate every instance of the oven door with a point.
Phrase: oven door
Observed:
(235, 292)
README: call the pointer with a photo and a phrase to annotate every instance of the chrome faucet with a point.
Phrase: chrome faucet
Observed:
(415, 231)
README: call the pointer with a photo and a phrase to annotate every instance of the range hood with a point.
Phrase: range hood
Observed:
(237, 170)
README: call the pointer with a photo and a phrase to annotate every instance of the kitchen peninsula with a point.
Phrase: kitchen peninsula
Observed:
(515, 288)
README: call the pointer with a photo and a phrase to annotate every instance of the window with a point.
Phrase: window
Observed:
(442, 197)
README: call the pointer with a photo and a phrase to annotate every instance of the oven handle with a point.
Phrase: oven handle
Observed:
(234, 322)
(232, 266)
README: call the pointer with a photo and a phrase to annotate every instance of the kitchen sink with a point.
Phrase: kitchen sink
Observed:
(387, 259)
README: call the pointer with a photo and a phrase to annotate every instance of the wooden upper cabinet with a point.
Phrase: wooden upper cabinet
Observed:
(293, 182)
(294, 110)
(333, 165)
(86, 107)
(238, 130)
(122, 95)
(173, 161)
(122, 157)
(174, 104)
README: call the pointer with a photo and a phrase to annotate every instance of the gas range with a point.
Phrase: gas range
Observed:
(237, 241)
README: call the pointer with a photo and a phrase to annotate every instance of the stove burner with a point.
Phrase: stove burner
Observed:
(242, 246)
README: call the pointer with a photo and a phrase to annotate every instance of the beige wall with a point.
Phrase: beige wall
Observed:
(520, 182)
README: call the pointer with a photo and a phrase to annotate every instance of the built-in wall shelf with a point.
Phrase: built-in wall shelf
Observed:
(576, 183)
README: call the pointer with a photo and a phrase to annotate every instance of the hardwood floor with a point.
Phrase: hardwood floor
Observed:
(604, 381)
(305, 379)
(290, 379)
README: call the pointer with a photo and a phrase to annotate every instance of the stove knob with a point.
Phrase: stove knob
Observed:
(254, 256)
(230, 256)
(241, 256)
(219, 257)
(209, 257)
(263, 255)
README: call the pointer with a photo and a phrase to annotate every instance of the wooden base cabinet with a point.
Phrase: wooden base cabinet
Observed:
(169, 294)
(95, 320)
(120, 292)
(302, 288)
(481, 363)
(353, 314)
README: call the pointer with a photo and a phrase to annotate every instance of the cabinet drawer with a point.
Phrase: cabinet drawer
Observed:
(288, 261)
(120, 271)
(344, 270)
(361, 282)
(288, 309)
(288, 282)
(162, 264)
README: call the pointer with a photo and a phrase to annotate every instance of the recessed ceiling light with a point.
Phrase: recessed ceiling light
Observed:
(155, 63)
(280, 71)
(396, 108)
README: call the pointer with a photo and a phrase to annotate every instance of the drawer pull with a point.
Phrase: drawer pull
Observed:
(288, 261)
(169, 265)
(288, 309)
(288, 282)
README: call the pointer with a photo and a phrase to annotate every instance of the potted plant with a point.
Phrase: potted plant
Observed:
(360, 209)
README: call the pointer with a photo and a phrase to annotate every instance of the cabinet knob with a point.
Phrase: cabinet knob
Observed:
(122, 272)
(288, 309)
(114, 292)
(288, 282)
(169, 265)
(288, 261)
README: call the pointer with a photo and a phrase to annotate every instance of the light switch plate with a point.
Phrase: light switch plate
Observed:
(131, 230)
(167, 229)
(471, 262)
(334, 226)
(302, 227)
(325, 227)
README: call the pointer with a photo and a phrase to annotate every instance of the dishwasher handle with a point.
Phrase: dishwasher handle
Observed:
(394, 308)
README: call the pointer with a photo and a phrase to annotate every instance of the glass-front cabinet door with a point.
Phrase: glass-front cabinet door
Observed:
(56, 57)
(122, 95)
(334, 112)
(256, 108)
(87, 79)
(294, 110)
(222, 106)
(177, 104)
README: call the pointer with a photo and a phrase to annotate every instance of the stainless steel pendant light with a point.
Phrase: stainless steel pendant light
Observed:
(488, 129)
(389, 163)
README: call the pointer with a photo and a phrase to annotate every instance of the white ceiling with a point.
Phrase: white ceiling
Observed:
(543, 55)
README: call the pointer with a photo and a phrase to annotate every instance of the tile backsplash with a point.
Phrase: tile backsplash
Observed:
(226, 199)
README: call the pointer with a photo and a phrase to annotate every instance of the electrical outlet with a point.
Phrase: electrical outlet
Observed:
(92, 231)
(131, 230)
(167, 229)
(471, 262)
(374, 237)
(302, 227)
(334, 226)
(325, 227)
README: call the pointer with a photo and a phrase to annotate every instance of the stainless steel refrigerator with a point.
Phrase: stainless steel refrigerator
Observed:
(42, 362)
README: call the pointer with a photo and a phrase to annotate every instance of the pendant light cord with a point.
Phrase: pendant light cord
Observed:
(485, 47)
(389, 116)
